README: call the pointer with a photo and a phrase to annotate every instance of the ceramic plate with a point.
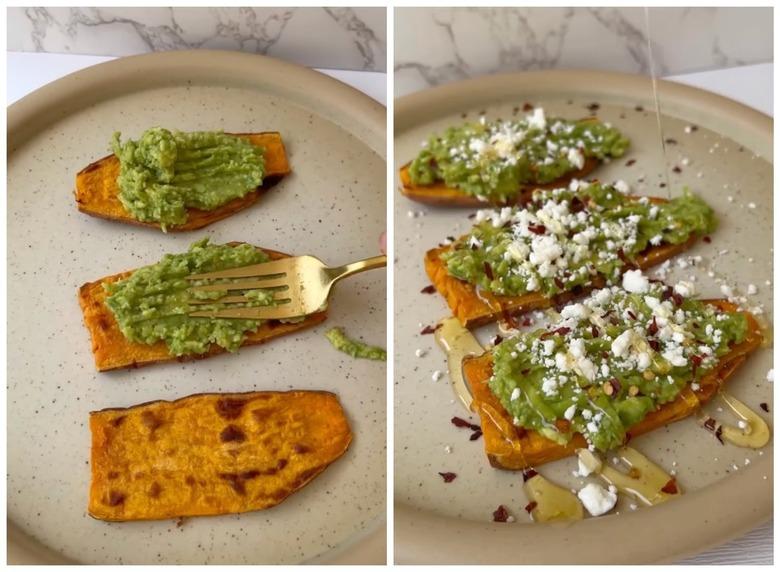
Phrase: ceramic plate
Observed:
(332, 206)
(727, 490)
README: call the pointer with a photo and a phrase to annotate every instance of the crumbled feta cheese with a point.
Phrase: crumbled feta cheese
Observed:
(569, 413)
(684, 288)
(596, 499)
(751, 289)
(622, 186)
(515, 394)
(436, 376)
(770, 375)
(537, 120)
(576, 158)
(636, 282)
(419, 352)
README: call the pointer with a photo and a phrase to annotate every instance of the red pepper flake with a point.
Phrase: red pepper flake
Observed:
(593, 107)
(631, 314)
(500, 514)
(448, 477)
(676, 169)
(471, 216)
(662, 185)
(497, 340)
(677, 299)
(476, 435)
(711, 425)
(430, 329)
(559, 283)
(707, 239)
(764, 406)
(639, 108)
(525, 371)
(527, 322)
(615, 383)
(696, 361)
(530, 506)
(694, 128)
(655, 344)
(537, 228)
(488, 271)
(529, 474)
(652, 329)
(667, 293)
(576, 205)
(528, 106)
(458, 422)
(719, 434)
(430, 289)
(560, 331)
(594, 331)
(622, 256)
(671, 141)
(670, 488)
(630, 162)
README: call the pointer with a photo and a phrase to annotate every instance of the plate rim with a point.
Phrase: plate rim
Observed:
(77, 90)
(453, 541)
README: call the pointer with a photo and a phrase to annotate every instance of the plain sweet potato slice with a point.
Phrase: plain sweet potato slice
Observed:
(211, 454)
(439, 194)
(113, 351)
(476, 309)
(514, 448)
(97, 193)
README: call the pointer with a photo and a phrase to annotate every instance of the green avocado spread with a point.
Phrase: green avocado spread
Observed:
(343, 343)
(152, 303)
(610, 360)
(493, 160)
(565, 237)
(164, 173)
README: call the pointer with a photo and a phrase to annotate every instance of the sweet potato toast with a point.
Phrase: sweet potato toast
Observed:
(513, 448)
(97, 191)
(211, 453)
(113, 351)
(439, 194)
(476, 309)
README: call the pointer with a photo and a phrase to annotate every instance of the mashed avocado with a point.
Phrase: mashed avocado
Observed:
(493, 160)
(341, 342)
(152, 303)
(610, 361)
(566, 236)
(164, 173)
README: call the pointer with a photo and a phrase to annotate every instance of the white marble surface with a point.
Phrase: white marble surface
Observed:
(438, 45)
(337, 38)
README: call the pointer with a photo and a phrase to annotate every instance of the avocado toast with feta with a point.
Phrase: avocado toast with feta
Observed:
(564, 243)
(179, 181)
(624, 361)
(501, 162)
(139, 317)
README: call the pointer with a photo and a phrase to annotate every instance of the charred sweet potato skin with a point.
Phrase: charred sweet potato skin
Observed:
(211, 454)
(97, 193)
(475, 310)
(113, 351)
(439, 194)
(513, 448)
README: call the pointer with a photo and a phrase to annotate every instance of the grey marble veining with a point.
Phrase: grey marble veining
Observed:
(339, 38)
(438, 45)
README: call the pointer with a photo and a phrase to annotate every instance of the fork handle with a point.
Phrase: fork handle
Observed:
(340, 272)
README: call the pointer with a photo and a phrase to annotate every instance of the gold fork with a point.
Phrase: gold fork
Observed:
(300, 285)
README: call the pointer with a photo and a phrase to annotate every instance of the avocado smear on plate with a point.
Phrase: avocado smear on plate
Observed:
(356, 349)
(152, 303)
(611, 360)
(493, 160)
(164, 173)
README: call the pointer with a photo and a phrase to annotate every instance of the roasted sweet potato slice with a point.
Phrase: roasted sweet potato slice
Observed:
(113, 351)
(439, 194)
(211, 453)
(97, 193)
(474, 309)
(514, 448)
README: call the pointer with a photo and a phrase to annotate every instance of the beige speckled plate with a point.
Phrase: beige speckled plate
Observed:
(333, 206)
(728, 490)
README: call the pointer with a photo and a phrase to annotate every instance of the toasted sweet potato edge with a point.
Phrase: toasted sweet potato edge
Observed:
(348, 437)
(268, 331)
(477, 371)
(196, 219)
